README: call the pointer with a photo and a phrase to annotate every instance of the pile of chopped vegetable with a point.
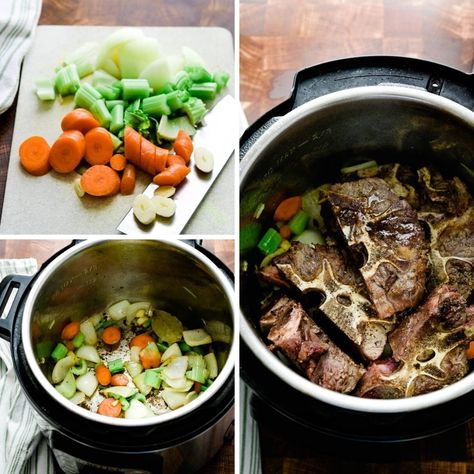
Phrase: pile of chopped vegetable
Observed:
(138, 110)
(134, 361)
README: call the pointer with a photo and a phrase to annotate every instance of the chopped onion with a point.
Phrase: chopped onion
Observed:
(133, 368)
(138, 410)
(174, 399)
(196, 337)
(88, 353)
(118, 311)
(61, 369)
(310, 236)
(162, 71)
(219, 331)
(191, 58)
(176, 369)
(139, 381)
(133, 309)
(172, 351)
(78, 398)
(87, 328)
(117, 392)
(87, 383)
(135, 55)
(211, 364)
(178, 385)
(135, 354)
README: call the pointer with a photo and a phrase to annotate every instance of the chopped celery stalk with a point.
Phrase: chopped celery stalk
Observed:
(166, 89)
(112, 103)
(134, 106)
(358, 167)
(268, 258)
(299, 222)
(59, 352)
(135, 89)
(67, 80)
(211, 364)
(84, 58)
(184, 347)
(139, 381)
(196, 360)
(198, 74)
(249, 236)
(45, 89)
(310, 236)
(78, 340)
(219, 331)
(80, 369)
(61, 368)
(116, 366)
(168, 128)
(182, 81)
(270, 241)
(101, 113)
(108, 92)
(86, 96)
(125, 403)
(156, 105)
(195, 109)
(103, 78)
(140, 397)
(221, 78)
(117, 392)
(44, 349)
(116, 142)
(176, 99)
(67, 387)
(152, 379)
(133, 368)
(162, 347)
(117, 119)
(204, 91)
(197, 374)
(196, 337)
(167, 327)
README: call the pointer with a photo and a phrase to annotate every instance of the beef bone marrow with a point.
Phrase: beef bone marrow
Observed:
(323, 268)
(371, 215)
(302, 341)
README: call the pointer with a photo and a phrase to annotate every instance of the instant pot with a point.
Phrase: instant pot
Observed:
(340, 113)
(83, 279)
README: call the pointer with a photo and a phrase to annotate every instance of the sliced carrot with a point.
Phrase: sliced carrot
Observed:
(79, 119)
(70, 331)
(110, 407)
(67, 151)
(103, 374)
(141, 341)
(118, 162)
(69, 345)
(197, 387)
(34, 156)
(183, 146)
(35, 330)
(285, 231)
(150, 357)
(287, 208)
(161, 155)
(470, 351)
(127, 184)
(172, 175)
(175, 160)
(111, 335)
(99, 146)
(147, 157)
(100, 180)
(132, 143)
(119, 380)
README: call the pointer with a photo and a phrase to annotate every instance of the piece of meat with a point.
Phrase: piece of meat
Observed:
(293, 332)
(374, 220)
(272, 275)
(326, 269)
(448, 210)
(429, 349)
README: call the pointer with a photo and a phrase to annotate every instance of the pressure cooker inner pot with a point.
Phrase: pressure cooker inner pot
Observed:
(103, 273)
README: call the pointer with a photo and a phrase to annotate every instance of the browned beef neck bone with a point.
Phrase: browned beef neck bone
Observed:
(429, 349)
(293, 332)
(448, 210)
(371, 215)
(325, 269)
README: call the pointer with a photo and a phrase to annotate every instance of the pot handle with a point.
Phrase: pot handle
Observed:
(8, 285)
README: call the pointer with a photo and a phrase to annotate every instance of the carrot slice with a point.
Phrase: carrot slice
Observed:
(161, 155)
(172, 175)
(119, 380)
(287, 208)
(103, 374)
(132, 141)
(285, 232)
(67, 151)
(175, 160)
(111, 335)
(70, 331)
(79, 119)
(110, 407)
(147, 157)
(118, 162)
(141, 341)
(127, 184)
(183, 146)
(99, 146)
(150, 357)
(100, 180)
(34, 156)
(470, 351)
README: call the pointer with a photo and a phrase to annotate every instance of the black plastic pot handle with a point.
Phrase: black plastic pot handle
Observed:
(7, 286)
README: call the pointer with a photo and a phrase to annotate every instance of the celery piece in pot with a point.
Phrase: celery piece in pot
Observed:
(43, 350)
(116, 366)
(211, 364)
(139, 381)
(358, 167)
(299, 222)
(67, 387)
(79, 368)
(45, 89)
(249, 236)
(78, 340)
(117, 392)
(152, 378)
(133, 368)
(219, 331)
(197, 374)
(59, 352)
(270, 241)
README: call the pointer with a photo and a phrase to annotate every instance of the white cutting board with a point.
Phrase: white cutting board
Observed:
(48, 204)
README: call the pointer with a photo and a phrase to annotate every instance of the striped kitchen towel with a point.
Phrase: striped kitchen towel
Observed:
(18, 19)
(23, 450)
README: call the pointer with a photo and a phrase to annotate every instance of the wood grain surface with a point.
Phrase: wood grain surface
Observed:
(124, 13)
(280, 37)
(42, 249)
